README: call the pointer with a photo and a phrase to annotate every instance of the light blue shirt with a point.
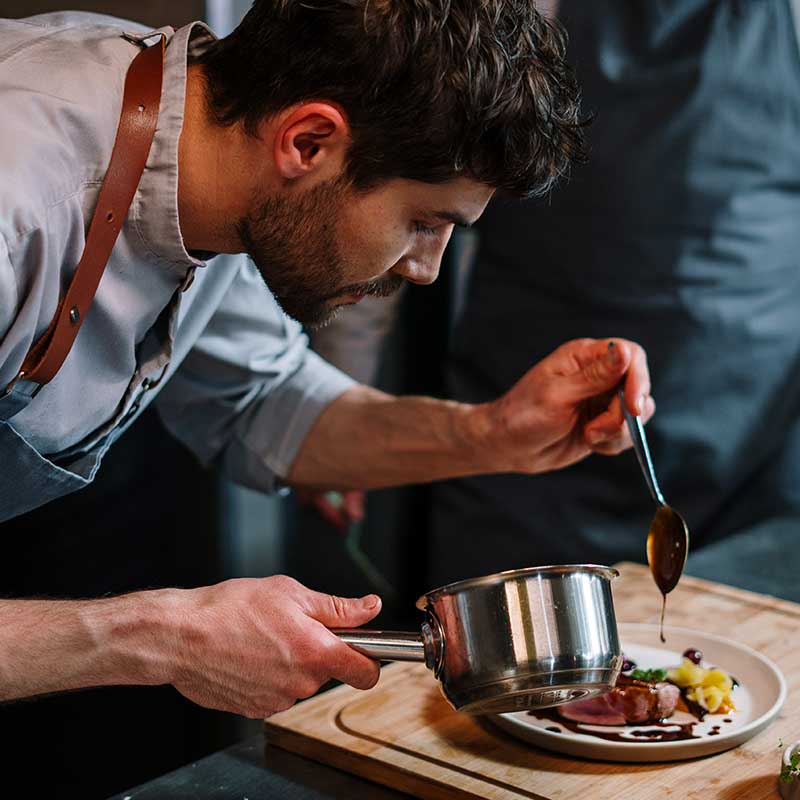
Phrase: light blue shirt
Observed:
(231, 375)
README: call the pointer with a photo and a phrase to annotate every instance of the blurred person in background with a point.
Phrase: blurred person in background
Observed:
(683, 233)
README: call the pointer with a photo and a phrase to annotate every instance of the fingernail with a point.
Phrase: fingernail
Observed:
(334, 498)
(371, 601)
(613, 356)
(640, 406)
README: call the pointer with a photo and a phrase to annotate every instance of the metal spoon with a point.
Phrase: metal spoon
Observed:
(668, 537)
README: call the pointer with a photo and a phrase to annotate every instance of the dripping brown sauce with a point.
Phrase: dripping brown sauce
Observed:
(665, 557)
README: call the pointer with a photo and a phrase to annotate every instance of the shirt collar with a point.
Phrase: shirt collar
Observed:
(155, 205)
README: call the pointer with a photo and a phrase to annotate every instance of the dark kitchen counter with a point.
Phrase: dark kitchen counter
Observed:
(252, 770)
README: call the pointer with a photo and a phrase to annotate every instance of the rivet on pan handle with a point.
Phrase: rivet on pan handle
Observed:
(433, 642)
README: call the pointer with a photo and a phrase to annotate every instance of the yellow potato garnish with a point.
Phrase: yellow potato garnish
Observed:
(709, 688)
(726, 706)
(687, 674)
(709, 697)
(716, 677)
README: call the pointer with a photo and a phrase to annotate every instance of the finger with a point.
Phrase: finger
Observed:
(605, 426)
(612, 443)
(603, 365)
(340, 612)
(649, 409)
(637, 381)
(353, 668)
(613, 447)
(353, 504)
(329, 512)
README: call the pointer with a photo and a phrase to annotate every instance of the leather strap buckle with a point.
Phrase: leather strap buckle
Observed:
(20, 376)
(10, 388)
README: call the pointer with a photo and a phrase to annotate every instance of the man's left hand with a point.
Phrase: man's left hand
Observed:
(339, 509)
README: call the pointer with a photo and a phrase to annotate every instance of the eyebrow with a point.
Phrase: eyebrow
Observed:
(454, 217)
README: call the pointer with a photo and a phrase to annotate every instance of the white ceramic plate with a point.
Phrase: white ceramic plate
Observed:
(759, 697)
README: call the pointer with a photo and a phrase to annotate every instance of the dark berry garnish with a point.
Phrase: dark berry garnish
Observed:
(627, 664)
(694, 655)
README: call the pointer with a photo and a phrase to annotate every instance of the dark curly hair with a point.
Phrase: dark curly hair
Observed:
(433, 89)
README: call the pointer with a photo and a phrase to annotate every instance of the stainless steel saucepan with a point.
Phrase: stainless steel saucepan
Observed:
(526, 638)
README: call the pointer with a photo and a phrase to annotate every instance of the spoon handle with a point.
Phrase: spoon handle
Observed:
(642, 450)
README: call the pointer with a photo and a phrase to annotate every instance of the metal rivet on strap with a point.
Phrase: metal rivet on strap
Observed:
(141, 107)
(74, 315)
(13, 383)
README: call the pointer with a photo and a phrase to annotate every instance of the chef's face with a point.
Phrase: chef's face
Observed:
(332, 245)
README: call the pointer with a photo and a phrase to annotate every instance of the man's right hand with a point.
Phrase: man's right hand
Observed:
(256, 646)
(249, 646)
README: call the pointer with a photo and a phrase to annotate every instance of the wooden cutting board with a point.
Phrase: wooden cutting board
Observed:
(404, 735)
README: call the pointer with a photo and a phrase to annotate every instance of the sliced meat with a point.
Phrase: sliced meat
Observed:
(594, 711)
(630, 701)
(642, 701)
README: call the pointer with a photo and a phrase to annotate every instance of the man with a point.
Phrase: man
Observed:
(686, 220)
(337, 143)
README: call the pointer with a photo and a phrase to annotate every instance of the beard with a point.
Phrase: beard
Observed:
(292, 242)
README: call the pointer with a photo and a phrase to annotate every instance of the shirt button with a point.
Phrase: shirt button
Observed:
(147, 384)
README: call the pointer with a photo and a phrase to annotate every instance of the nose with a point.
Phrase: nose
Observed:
(423, 271)
(422, 263)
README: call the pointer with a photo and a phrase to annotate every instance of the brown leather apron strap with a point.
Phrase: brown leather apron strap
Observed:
(137, 127)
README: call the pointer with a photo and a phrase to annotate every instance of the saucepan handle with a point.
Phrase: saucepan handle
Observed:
(384, 645)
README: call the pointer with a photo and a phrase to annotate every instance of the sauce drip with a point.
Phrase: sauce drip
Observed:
(666, 553)
(695, 709)
(665, 731)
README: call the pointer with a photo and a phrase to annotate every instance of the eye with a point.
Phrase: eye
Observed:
(425, 230)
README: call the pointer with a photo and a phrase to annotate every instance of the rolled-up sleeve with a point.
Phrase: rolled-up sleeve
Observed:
(249, 389)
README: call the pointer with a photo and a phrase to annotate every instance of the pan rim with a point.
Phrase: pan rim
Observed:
(499, 578)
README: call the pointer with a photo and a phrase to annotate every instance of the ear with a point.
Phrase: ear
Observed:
(310, 138)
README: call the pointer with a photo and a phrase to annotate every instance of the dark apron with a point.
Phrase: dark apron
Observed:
(682, 233)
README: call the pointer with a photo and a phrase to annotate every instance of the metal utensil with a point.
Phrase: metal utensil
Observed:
(668, 537)
(526, 638)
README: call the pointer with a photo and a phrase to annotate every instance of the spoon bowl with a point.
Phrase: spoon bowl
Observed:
(667, 547)
(668, 537)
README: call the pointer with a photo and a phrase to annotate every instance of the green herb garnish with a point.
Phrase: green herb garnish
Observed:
(651, 675)
(791, 770)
